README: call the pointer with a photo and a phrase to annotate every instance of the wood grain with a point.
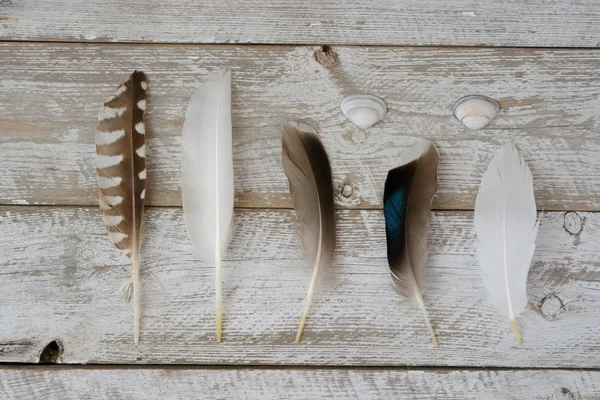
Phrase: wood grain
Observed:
(61, 280)
(51, 383)
(540, 23)
(50, 95)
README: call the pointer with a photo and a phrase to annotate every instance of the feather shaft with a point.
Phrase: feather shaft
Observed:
(511, 310)
(313, 282)
(218, 296)
(218, 255)
(421, 304)
(135, 276)
(135, 270)
(308, 301)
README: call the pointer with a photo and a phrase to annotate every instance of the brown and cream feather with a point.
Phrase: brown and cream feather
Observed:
(121, 169)
(307, 168)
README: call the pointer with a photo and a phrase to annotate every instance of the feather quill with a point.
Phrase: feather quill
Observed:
(121, 169)
(409, 190)
(207, 175)
(308, 171)
(506, 227)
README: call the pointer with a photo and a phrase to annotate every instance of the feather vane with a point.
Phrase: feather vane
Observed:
(409, 191)
(207, 175)
(506, 227)
(121, 170)
(308, 171)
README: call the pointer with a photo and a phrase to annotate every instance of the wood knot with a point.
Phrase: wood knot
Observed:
(573, 223)
(551, 306)
(563, 394)
(326, 57)
(347, 190)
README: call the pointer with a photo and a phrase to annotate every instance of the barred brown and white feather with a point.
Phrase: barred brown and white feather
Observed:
(121, 169)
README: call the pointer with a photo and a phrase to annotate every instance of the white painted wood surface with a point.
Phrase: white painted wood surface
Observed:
(61, 280)
(50, 95)
(264, 384)
(541, 23)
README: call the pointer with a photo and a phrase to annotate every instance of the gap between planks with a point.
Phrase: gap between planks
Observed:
(300, 44)
(275, 367)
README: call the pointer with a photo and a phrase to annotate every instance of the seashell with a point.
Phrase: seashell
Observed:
(476, 111)
(364, 110)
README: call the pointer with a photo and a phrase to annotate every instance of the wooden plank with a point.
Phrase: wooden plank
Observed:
(538, 23)
(52, 383)
(61, 279)
(50, 95)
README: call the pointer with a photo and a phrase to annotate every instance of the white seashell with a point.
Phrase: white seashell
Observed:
(476, 111)
(364, 110)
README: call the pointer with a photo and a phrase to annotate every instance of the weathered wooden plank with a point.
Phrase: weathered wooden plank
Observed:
(52, 383)
(61, 279)
(541, 23)
(50, 95)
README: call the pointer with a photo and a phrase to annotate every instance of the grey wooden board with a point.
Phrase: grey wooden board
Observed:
(50, 95)
(61, 280)
(50, 383)
(542, 23)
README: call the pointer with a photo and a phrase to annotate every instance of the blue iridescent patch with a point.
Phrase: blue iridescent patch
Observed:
(395, 206)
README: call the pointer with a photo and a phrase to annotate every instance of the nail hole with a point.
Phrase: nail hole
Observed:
(347, 190)
(326, 57)
(573, 223)
(51, 352)
(87, 254)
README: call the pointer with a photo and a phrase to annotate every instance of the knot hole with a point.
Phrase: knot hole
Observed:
(51, 353)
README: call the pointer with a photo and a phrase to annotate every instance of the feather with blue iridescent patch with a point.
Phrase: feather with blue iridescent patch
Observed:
(409, 190)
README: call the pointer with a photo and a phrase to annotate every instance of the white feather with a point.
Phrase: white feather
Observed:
(506, 227)
(207, 172)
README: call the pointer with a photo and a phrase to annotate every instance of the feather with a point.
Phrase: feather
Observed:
(207, 175)
(408, 193)
(506, 227)
(308, 171)
(121, 169)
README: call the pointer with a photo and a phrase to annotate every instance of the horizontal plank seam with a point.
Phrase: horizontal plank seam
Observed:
(256, 44)
(16, 366)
